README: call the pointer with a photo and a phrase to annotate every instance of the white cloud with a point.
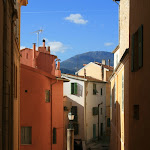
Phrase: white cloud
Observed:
(76, 18)
(109, 44)
(56, 46)
(22, 47)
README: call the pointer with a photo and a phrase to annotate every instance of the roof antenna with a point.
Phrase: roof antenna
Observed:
(38, 32)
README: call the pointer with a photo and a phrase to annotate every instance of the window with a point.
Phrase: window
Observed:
(101, 91)
(74, 88)
(136, 112)
(101, 111)
(26, 135)
(123, 91)
(115, 88)
(137, 50)
(74, 111)
(76, 128)
(54, 135)
(94, 89)
(108, 122)
(47, 96)
(26, 91)
(95, 111)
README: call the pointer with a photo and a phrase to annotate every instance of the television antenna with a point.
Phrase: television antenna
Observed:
(38, 32)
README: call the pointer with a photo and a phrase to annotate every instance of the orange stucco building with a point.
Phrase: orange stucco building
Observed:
(139, 73)
(41, 115)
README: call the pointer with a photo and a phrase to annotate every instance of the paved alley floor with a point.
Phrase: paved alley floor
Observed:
(98, 145)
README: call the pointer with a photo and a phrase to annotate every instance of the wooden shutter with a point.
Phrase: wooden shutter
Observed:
(54, 135)
(94, 89)
(132, 54)
(75, 88)
(74, 110)
(22, 135)
(28, 131)
(95, 111)
(47, 95)
(123, 91)
(76, 128)
(140, 45)
(72, 88)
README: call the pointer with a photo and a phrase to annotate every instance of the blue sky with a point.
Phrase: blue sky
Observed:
(71, 26)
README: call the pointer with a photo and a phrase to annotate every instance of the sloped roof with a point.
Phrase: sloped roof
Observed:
(105, 66)
(87, 78)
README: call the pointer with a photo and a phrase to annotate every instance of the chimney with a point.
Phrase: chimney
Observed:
(34, 50)
(84, 73)
(34, 55)
(103, 61)
(108, 62)
(58, 65)
(43, 42)
(48, 48)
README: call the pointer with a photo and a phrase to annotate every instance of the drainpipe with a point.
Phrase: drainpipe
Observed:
(85, 134)
(98, 119)
(52, 111)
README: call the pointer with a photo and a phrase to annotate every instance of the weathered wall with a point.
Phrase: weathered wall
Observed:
(93, 101)
(124, 26)
(35, 112)
(77, 100)
(140, 81)
(92, 70)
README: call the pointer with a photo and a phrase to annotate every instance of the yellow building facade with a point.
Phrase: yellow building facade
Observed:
(120, 83)
(9, 73)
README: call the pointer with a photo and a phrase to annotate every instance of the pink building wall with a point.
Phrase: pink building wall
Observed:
(34, 111)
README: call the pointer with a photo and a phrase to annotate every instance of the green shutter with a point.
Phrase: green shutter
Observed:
(94, 131)
(47, 96)
(75, 88)
(132, 54)
(72, 88)
(95, 111)
(140, 45)
(94, 89)
(54, 135)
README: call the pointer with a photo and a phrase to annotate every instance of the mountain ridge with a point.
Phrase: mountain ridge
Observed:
(76, 62)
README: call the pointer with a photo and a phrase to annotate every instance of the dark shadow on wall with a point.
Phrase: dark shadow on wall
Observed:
(115, 137)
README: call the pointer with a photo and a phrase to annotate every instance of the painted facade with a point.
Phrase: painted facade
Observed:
(9, 73)
(41, 115)
(139, 75)
(100, 71)
(85, 101)
(119, 83)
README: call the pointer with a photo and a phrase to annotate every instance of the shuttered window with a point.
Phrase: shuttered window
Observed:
(76, 128)
(74, 111)
(26, 135)
(123, 91)
(54, 135)
(94, 89)
(74, 88)
(140, 45)
(95, 111)
(137, 50)
(47, 96)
